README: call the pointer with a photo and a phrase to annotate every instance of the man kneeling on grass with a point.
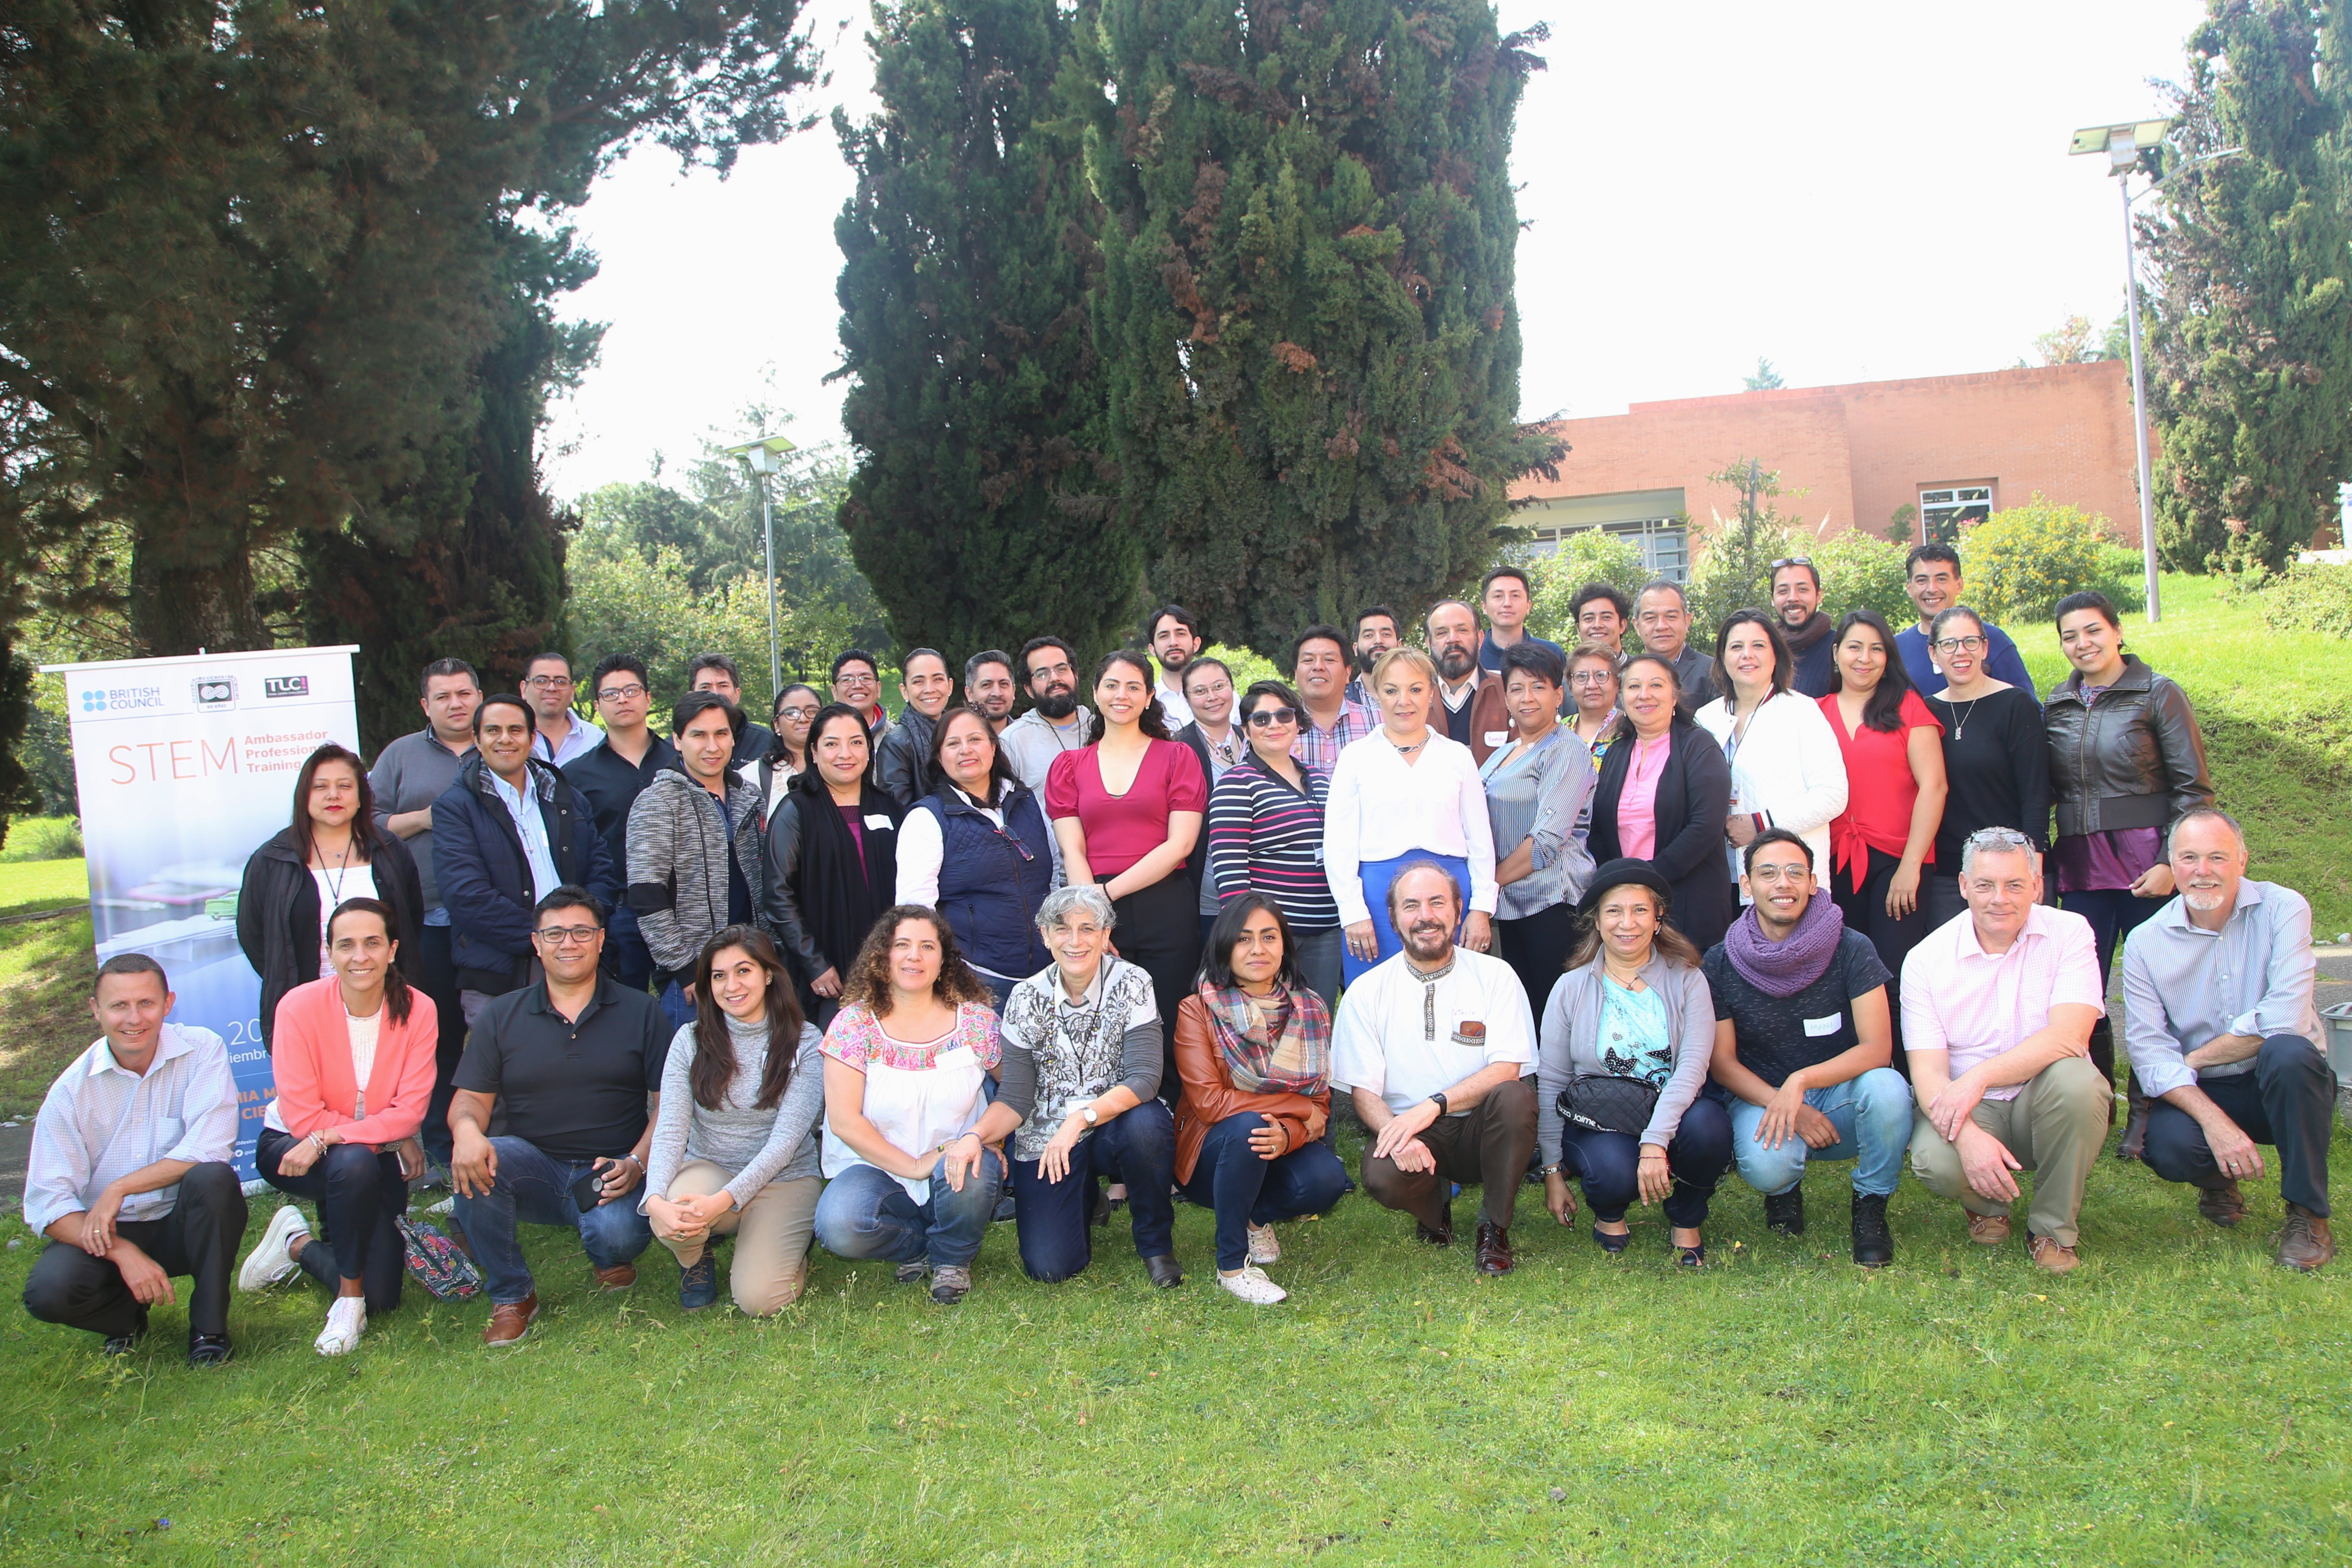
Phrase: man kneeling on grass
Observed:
(2220, 1021)
(568, 1072)
(1998, 1006)
(130, 1177)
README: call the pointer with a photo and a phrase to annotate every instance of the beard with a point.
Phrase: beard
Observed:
(2203, 900)
(1058, 704)
(1366, 658)
(1428, 942)
(1454, 662)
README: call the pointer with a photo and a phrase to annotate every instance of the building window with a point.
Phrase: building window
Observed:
(1944, 511)
(1662, 541)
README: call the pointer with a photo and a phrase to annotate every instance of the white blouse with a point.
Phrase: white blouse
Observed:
(1787, 766)
(1381, 806)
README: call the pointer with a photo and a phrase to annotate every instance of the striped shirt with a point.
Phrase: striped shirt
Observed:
(1319, 749)
(1267, 837)
(101, 1122)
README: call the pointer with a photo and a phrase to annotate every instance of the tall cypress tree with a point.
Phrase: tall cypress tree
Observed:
(979, 509)
(2253, 337)
(1307, 313)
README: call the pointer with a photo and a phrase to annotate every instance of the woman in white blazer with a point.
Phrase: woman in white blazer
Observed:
(1786, 768)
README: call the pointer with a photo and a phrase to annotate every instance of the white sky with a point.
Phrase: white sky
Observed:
(1858, 190)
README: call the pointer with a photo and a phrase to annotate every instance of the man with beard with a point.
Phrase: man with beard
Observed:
(1173, 634)
(2220, 1021)
(1056, 722)
(1435, 1046)
(1797, 601)
(989, 688)
(1376, 634)
(1473, 699)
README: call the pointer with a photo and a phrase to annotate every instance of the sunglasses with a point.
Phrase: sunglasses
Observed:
(1267, 717)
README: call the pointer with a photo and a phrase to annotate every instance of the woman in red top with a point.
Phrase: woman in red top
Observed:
(1127, 809)
(1894, 751)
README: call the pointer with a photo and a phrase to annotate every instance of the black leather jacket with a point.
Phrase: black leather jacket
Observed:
(2131, 759)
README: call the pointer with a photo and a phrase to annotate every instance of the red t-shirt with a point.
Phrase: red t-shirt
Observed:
(1122, 829)
(1879, 789)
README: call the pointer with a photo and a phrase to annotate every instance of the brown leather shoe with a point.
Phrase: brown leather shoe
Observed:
(1987, 1229)
(511, 1320)
(1494, 1249)
(2223, 1205)
(2305, 1242)
(619, 1276)
(2049, 1256)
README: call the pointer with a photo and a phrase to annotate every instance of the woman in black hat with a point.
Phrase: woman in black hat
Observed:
(1623, 1051)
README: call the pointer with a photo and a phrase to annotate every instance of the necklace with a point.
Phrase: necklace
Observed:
(1408, 750)
(1960, 720)
(337, 873)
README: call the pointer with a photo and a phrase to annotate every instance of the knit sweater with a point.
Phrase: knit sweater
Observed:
(759, 1146)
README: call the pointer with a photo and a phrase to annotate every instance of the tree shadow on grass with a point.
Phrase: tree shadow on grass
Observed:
(46, 968)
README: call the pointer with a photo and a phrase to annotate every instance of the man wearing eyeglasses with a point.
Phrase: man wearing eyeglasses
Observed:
(717, 672)
(1056, 721)
(562, 734)
(1931, 576)
(1797, 604)
(568, 1072)
(610, 778)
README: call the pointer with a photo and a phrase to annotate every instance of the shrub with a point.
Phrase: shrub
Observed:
(1588, 555)
(2311, 596)
(1860, 570)
(1728, 572)
(2023, 561)
(42, 838)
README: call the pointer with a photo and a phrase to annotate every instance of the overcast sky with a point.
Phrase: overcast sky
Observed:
(1858, 191)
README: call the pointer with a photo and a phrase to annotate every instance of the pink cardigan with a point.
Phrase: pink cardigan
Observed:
(312, 1056)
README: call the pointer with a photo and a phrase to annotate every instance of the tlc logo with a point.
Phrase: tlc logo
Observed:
(286, 687)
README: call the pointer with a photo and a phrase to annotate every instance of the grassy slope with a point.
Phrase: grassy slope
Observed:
(45, 968)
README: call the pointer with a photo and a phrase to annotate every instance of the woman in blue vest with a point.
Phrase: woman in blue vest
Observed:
(978, 851)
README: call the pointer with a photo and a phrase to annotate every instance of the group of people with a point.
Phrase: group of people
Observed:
(870, 981)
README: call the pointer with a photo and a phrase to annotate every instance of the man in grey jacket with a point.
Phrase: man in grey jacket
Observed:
(1056, 721)
(695, 855)
(903, 766)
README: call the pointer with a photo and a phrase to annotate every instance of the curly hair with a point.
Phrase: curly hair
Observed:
(869, 981)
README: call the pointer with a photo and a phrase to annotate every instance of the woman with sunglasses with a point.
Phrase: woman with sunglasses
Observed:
(977, 850)
(1996, 755)
(1266, 835)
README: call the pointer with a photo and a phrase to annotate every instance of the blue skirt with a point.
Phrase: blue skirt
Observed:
(1377, 875)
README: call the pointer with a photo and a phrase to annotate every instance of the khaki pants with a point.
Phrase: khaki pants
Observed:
(2055, 1128)
(772, 1236)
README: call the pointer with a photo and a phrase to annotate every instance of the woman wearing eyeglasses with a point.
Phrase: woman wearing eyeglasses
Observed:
(1265, 834)
(978, 851)
(786, 757)
(1996, 756)
(1593, 689)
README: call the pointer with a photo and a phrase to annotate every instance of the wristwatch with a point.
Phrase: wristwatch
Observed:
(1439, 1101)
(1088, 1111)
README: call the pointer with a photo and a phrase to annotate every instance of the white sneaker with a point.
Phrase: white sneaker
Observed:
(346, 1321)
(1263, 1247)
(273, 1261)
(1252, 1286)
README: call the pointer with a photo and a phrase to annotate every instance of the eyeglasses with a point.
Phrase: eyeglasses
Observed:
(1592, 677)
(1959, 644)
(797, 714)
(548, 683)
(1267, 717)
(854, 678)
(1041, 672)
(619, 694)
(567, 935)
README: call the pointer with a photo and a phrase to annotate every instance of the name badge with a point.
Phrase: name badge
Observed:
(1472, 1034)
(878, 823)
(1829, 1025)
(1498, 737)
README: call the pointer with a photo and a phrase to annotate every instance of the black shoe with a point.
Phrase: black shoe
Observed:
(1099, 1215)
(123, 1343)
(210, 1350)
(1785, 1211)
(1441, 1237)
(1873, 1244)
(1165, 1271)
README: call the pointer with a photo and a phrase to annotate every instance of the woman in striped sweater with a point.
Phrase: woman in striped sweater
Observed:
(1265, 834)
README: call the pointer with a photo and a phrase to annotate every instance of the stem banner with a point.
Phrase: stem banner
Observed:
(186, 766)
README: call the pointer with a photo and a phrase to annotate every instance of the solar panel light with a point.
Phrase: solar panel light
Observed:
(2123, 144)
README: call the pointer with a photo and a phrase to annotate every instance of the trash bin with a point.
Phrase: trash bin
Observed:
(2338, 1019)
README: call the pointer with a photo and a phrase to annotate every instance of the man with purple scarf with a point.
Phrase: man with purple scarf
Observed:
(1803, 1039)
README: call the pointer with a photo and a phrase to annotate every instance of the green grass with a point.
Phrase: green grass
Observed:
(42, 838)
(2179, 1399)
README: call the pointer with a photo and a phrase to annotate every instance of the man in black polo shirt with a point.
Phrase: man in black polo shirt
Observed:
(1802, 1038)
(558, 1088)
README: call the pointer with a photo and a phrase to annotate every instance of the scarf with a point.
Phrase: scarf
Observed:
(841, 893)
(1297, 1061)
(1817, 627)
(1784, 968)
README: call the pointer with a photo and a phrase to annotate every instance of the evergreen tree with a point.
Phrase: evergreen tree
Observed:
(978, 509)
(2253, 321)
(1306, 316)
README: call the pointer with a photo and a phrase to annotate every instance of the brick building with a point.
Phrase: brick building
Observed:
(1963, 444)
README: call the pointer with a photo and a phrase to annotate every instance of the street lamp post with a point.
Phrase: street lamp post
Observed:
(2124, 144)
(761, 457)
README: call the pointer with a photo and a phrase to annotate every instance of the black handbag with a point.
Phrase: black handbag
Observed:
(1604, 1103)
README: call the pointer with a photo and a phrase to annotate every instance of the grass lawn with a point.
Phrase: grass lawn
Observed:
(2179, 1399)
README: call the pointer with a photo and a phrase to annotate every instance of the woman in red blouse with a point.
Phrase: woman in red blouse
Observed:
(1127, 809)
(1894, 751)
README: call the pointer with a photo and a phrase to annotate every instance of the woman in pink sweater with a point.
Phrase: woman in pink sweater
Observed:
(353, 1058)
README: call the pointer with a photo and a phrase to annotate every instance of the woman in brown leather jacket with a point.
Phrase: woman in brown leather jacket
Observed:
(1254, 1048)
(2125, 759)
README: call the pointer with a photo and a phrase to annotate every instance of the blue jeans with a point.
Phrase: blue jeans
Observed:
(1138, 1147)
(1245, 1190)
(1872, 1113)
(360, 1195)
(1607, 1165)
(864, 1213)
(626, 959)
(1376, 875)
(535, 1188)
(675, 1007)
(1320, 955)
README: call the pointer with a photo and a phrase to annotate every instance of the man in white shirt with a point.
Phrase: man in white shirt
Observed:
(1173, 634)
(1437, 1047)
(561, 734)
(129, 1178)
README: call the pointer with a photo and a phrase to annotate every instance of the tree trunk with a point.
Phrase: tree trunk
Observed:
(194, 590)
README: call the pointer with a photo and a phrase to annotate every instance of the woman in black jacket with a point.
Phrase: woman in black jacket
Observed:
(333, 853)
(1664, 793)
(832, 859)
(2125, 759)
